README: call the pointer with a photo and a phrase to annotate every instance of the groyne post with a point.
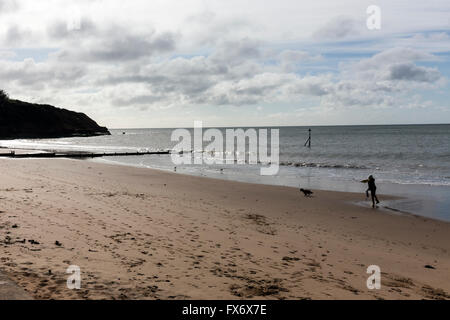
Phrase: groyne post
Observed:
(308, 142)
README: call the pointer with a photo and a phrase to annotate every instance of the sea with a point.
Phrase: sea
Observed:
(408, 161)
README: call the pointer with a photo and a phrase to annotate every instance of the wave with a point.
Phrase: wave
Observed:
(62, 146)
(322, 165)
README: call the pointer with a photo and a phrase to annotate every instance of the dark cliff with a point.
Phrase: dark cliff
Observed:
(20, 120)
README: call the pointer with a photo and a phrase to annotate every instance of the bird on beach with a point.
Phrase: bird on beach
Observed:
(306, 192)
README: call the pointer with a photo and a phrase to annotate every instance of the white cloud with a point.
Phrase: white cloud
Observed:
(8, 6)
(143, 55)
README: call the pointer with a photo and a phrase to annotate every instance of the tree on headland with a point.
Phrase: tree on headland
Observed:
(3, 96)
(24, 120)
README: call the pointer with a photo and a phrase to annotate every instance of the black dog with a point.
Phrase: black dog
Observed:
(307, 193)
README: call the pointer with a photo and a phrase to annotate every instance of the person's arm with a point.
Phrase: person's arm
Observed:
(365, 181)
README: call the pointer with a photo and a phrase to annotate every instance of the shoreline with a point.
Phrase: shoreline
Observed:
(361, 203)
(413, 199)
(427, 199)
(140, 233)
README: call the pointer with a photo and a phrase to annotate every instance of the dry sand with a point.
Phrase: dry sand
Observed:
(146, 234)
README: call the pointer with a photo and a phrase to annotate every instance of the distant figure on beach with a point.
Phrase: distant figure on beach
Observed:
(373, 190)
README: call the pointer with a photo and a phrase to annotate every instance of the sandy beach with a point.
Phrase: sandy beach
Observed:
(139, 233)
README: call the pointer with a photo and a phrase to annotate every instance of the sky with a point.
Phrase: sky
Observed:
(168, 63)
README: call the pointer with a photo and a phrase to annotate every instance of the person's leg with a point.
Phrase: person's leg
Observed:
(375, 196)
(372, 193)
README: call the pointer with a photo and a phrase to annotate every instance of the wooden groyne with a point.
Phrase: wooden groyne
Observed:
(79, 155)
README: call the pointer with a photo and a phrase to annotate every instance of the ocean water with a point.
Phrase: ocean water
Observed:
(412, 161)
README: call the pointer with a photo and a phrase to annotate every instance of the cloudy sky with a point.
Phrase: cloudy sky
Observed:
(166, 63)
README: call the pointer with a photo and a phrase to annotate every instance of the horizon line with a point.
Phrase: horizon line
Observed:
(289, 126)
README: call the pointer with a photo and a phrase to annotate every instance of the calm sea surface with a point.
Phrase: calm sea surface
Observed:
(407, 160)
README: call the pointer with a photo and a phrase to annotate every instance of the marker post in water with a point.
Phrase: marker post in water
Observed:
(308, 142)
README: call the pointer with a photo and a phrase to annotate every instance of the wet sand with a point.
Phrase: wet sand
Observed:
(145, 234)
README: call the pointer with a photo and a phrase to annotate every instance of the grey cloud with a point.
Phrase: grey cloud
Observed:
(338, 28)
(313, 89)
(59, 29)
(236, 52)
(193, 78)
(121, 62)
(114, 44)
(390, 56)
(178, 68)
(317, 86)
(213, 81)
(411, 72)
(258, 90)
(261, 87)
(357, 99)
(132, 78)
(232, 99)
(389, 71)
(139, 100)
(31, 75)
(16, 36)
(195, 66)
(349, 93)
(131, 47)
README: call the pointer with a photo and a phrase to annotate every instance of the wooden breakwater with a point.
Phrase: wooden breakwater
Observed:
(78, 155)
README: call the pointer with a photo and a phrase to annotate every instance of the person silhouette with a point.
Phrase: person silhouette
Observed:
(373, 190)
